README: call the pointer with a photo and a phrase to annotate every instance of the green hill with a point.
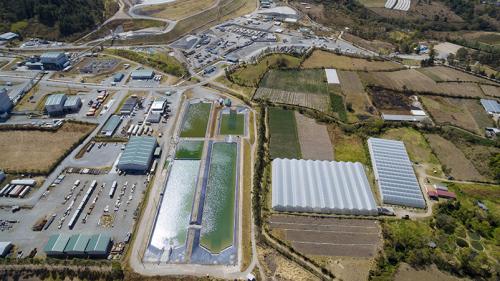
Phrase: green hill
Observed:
(53, 19)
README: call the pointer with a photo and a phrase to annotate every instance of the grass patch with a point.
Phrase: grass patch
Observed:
(337, 106)
(232, 124)
(324, 59)
(250, 75)
(247, 207)
(189, 150)
(348, 148)
(196, 120)
(160, 61)
(21, 151)
(477, 245)
(305, 81)
(284, 142)
(176, 10)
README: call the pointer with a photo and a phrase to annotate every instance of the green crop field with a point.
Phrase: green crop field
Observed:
(189, 150)
(232, 124)
(196, 120)
(284, 141)
(218, 213)
(305, 81)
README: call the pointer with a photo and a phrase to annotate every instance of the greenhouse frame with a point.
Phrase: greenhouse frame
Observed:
(394, 173)
(321, 187)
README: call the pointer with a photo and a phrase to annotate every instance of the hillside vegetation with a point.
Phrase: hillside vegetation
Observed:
(53, 19)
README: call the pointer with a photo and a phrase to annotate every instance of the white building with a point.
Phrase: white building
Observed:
(321, 187)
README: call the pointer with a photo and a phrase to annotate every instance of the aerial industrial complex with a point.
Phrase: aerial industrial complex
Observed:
(247, 140)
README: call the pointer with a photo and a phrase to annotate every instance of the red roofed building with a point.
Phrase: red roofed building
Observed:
(446, 194)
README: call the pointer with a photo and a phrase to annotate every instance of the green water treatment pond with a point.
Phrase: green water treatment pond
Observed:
(196, 120)
(218, 214)
(189, 150)
(232, 124)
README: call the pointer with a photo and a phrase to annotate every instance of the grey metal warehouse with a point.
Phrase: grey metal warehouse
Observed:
(77, 245)
(55, 104)
(54, 60)
(110, 127)
(138, 154)
(321, 187)
(143, 74)
(72, 104)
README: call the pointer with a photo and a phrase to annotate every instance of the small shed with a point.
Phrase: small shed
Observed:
(118, 77)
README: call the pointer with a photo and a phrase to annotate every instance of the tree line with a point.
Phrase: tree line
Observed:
(68, 16)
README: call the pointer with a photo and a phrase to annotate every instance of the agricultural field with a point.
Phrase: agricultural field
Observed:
(417, 147)
(314, 140)
(196, 120)
(323, 59)
(232, 124)
(467, 114)
(489, 38)
(189, 150)
(390, 102)
(492, 91)
(20, 149)
(250, 75)
(328, 236)
(176, 10)
(307, 88)
(479, 155)
(348, 148)
(453, 160)
(446, 74)
(416, 81)
(405, 272)
(355, 94)
(284, 139)
(311, 81)
(279, 267)
(319, 102)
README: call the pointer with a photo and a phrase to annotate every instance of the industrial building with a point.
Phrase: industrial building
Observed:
(54, 61)
(138, 154)
(8, 36)
(490, 106)
(283, 13)
(5, 247)
(394, 173)
(129, 105)
(118, 77)
(321, 187)
(6, 103)
(159, 105)
(143, 74)
(72, 104)
(55, 104)
(110, 127)
(77, 245)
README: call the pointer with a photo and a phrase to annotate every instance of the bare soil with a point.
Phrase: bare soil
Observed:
(406, 273)
(329, 236)
(314, 140)
(33, 150)
(454, 159)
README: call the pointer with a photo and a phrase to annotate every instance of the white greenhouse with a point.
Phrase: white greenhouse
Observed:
(394, 173)
(321, 187)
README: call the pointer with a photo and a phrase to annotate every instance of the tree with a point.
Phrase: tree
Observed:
(462, 54)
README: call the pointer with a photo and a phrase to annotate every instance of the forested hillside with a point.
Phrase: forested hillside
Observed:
(52, 19)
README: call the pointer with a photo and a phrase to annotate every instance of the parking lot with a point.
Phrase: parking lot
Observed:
(114, 215)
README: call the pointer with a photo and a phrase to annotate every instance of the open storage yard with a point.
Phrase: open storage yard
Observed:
(328, 236)
(324, 59)
(38, 150)
(284, 141)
